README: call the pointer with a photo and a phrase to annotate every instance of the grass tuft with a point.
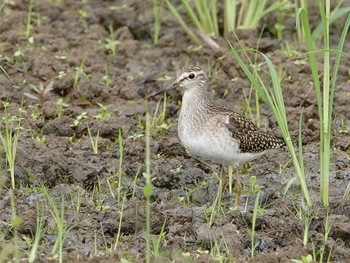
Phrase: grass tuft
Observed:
(274, 99)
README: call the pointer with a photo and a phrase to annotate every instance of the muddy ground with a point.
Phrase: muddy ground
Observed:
(105, 89)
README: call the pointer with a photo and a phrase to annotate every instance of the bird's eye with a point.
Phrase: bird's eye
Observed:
(191, 76)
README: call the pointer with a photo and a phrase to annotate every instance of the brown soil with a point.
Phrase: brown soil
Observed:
(56, 153)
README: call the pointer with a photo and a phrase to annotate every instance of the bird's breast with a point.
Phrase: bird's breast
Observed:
(208, 140)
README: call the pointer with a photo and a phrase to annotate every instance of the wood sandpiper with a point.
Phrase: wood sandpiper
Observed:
(214, 132)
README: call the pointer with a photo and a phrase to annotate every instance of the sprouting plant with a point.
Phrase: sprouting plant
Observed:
(38, 234)
(83, 15)
(104, 115)
(76, 197)
(60, 105)
(307, 223)
(94, 141)
(111, 44)
(158, 119)
(327, 226)
(79, 118)
(120, 224)
(106, 80)
(78, 73)
(157, 7)
(252, 231)
(61, 227)
(41, 92)
(29, 18)
(9, 140)
(254, 188)
(41, 139)
(156, 242)
(120, 170)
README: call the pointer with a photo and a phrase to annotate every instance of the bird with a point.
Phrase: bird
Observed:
(215, 132)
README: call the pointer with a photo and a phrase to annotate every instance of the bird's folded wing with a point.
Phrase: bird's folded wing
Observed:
(251, 139)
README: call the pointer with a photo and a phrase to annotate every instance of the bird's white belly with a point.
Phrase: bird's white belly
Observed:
(221, 149)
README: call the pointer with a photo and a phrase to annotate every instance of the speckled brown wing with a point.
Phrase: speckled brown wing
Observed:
(252, 140)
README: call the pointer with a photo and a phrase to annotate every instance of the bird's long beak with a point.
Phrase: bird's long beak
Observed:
(173, 85)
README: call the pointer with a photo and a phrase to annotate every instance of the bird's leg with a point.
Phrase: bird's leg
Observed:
(238, 187)
(223, 180)
(221, 187)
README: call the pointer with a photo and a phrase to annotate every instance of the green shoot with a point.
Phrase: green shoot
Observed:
(16, 221)
(10, 140)
(136, 178)
(120, 171)
(62, 229)
(304, 4)
(79, 118)
(83, 16)
(38, 234)
(29, 18)
(327, 226)
(156, 243)
(120, 224)
(93, 141)
(111, 43)
(106, 80)
(254, 188)
(157, 7)
(306, 229)
(253, 245)
(60, 105)
(158, 119)
(105, 114)
(216, 206)
(300, 143)
(79, 72)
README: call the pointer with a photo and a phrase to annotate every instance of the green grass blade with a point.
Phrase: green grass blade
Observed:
(183, 24)
(312, 57)
(326, 123)
(300, 142)
(252, 234)
(214, 16)
(191, 14)
(229, 16)
(157, 21)
(337, 62)
(336, 14)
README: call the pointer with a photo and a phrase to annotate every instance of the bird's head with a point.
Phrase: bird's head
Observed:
(191, 77)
